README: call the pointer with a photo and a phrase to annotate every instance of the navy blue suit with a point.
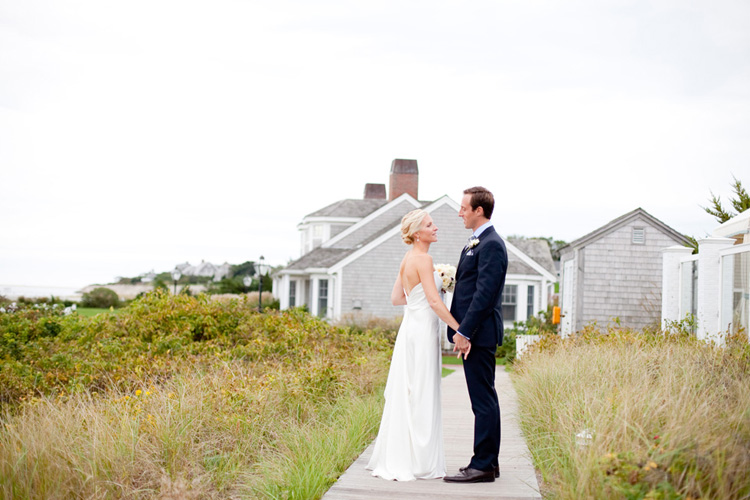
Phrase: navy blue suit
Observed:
(477, 306)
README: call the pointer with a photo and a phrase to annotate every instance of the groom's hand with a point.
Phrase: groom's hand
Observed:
(462, 346)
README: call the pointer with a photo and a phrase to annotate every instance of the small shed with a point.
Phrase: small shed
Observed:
(615, 273)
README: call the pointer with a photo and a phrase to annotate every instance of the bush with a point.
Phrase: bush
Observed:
(183, 397)
(45, 352)
(101, 297)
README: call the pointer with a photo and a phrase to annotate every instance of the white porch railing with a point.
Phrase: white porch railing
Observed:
(713, 286)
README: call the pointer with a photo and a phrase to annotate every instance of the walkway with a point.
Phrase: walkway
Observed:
(517, 476)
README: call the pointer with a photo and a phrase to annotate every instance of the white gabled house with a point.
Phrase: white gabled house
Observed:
(352, 249)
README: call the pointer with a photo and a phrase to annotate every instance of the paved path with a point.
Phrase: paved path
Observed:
(517, 476)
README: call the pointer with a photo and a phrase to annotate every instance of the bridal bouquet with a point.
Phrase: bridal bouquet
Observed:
(448, 275)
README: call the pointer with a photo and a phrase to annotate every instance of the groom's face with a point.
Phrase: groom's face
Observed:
(471, 217)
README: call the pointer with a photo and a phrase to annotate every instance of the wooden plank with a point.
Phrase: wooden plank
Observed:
(517, 476)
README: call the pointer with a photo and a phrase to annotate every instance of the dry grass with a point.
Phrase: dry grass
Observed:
(236, 432)
(366, 321)
(669, 417)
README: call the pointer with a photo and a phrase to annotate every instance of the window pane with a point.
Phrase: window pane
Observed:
(509, 302)
(322, 298)
(292, 293)
(530, 301)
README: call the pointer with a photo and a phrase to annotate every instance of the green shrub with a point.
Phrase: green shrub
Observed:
(101, 297)
(183, 397)
(42, 352)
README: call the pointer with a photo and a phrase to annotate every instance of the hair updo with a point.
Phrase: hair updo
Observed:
(411, 223)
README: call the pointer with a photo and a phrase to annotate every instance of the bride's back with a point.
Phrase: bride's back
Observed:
(410, 272)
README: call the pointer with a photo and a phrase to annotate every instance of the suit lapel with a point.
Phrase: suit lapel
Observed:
(487, 232)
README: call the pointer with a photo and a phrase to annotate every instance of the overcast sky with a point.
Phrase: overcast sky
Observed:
(135, 135)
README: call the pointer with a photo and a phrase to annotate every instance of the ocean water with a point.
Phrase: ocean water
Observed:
(14, 291)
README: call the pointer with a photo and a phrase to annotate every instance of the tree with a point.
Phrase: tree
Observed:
(740, 203)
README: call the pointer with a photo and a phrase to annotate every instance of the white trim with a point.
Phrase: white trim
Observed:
(326, 219)
(387, 235)
(338, 295)
(529, 261)
(291, 272)
(735, 249)
(443, 200)
(373, 215)
(523, 277)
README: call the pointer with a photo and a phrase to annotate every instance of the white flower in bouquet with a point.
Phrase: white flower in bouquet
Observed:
(448, 275)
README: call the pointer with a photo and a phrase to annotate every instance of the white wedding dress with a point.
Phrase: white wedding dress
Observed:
(410, 440)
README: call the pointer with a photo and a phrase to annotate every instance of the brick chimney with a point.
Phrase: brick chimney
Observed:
(374, 191)
(404, 178)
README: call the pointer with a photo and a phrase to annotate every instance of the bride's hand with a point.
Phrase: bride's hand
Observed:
(463, 346)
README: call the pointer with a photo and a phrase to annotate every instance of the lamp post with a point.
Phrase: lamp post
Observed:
(247, 281)
(176, 275)
(261, 269)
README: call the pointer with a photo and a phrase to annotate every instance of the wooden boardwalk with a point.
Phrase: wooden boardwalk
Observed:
(517, 476)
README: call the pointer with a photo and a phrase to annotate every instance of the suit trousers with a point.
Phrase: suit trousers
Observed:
(479, 369)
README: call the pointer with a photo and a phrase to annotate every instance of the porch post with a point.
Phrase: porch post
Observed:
(709, 288)
(670, 282)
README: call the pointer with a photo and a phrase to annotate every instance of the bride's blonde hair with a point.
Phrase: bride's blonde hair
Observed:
(410, 224)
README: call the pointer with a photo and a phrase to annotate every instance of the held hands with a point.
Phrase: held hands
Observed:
(463, 346)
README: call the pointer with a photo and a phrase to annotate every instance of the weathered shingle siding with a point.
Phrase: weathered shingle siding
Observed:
(622, 279)
(387, 219)
(369, 279)
(337, 228)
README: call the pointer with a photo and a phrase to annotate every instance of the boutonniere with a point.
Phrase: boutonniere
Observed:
(473, 242)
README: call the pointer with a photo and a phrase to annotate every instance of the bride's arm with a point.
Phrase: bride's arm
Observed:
(426, 270)
(398, 297)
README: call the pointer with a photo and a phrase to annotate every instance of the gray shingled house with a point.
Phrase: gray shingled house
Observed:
(615, 272)
(351, 251)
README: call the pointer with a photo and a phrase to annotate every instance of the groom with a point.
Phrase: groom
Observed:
(477, 306)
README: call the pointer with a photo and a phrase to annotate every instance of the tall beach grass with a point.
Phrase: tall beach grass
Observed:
(623, 414)
(180, 397)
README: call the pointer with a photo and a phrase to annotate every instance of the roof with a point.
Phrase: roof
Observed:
(535, 253)
(349, 208)
(319, 258)
(621, 221)
(735, 227)
(538, 250)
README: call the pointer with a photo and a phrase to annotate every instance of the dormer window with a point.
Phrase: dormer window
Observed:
(639, 235)
(317, 232)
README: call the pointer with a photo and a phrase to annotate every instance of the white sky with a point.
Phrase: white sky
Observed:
(135, 135)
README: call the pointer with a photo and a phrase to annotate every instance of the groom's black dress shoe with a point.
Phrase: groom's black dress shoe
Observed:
(497, 470)
(469, 475)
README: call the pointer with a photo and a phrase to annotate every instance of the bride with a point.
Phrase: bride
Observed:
(410, 440)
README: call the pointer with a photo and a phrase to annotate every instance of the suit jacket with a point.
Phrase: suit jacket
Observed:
(477, 296)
